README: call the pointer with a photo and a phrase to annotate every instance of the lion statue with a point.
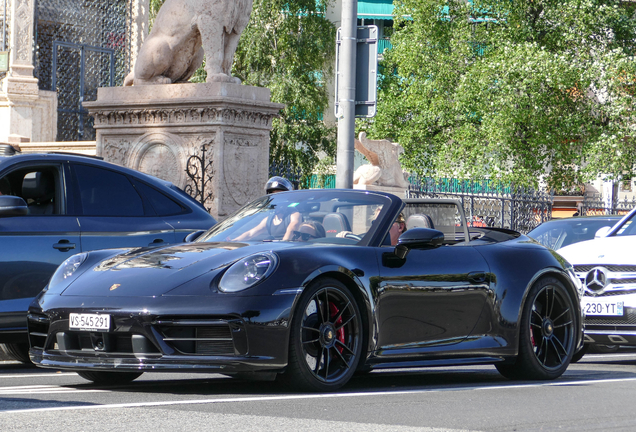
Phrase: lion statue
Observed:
(183, 31)
(384, 168)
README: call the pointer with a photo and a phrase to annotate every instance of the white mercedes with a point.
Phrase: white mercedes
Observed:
(607, 268)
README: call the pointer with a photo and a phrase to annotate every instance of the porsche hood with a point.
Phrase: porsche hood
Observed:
(154, 272)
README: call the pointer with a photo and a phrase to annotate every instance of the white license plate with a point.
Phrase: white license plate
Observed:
(602, 307)
(92, 322)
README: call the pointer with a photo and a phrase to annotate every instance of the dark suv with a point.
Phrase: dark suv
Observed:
(55, 205)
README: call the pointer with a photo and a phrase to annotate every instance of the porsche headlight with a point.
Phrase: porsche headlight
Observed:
(248, 272)
(67, 269)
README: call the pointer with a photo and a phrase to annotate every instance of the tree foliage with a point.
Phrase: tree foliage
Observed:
(514, 90)
(289, 47)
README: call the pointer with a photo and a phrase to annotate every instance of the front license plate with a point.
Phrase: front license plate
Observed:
(602, 307)
(89, 322)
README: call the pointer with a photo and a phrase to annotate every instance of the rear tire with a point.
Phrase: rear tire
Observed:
(110, 377)
(325, 341)
(603, 349)
(17, 351)
(546, 335)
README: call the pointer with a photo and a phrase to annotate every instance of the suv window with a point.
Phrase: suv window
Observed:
(107, 193)
(163, 205)
(37, 185)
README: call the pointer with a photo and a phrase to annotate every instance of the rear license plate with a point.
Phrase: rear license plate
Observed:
(602, 307)
(89, 322)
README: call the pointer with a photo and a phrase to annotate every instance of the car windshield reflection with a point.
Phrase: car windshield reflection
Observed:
(303, 216)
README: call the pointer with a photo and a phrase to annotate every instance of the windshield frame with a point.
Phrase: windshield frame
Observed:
(617, 229)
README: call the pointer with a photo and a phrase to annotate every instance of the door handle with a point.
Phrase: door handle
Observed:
(155, 242)
(477, 277)
(64, 246)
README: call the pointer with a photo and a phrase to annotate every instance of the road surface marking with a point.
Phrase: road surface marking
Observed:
(312, 396)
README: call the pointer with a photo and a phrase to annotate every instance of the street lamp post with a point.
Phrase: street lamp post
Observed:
(347, 94)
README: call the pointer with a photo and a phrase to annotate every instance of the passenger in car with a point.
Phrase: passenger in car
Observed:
(398, 227)
(309, 230)
(279, 225)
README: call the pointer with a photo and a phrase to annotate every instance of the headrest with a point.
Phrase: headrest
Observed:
(335, 223)
(419, 220)
(38, 186)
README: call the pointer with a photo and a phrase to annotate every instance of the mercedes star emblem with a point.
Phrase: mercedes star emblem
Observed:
(596, 279)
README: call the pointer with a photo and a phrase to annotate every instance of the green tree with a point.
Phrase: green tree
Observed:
(289, 47)
(513, 90)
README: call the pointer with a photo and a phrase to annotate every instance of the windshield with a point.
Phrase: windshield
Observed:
(319, 216)
(559, 233)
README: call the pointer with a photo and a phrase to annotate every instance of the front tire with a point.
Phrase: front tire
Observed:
(17, 351)
(325, 339)
(110, 377)
(547, 333)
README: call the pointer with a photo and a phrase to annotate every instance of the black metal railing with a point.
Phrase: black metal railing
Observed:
(199, 170)
(593, 204)
(489, 205)
(81, 45)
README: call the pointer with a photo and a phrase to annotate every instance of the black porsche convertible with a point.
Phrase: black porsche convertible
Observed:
(311, 287)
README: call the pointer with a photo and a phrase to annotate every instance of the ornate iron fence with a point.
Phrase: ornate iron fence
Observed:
(199, 170)
(488, 205)
(81, 45)
(593, 204)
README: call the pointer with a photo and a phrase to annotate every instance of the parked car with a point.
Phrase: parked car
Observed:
(558, 233)
(606, 267)
(335, 298)
(53, 206)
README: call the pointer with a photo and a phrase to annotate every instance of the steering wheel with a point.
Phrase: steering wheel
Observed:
(353, 236)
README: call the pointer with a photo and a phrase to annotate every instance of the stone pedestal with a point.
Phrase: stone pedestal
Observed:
(156, 129)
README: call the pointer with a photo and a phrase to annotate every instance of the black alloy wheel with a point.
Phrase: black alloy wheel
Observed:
(110, 377)
(547, 334)
(325, 339)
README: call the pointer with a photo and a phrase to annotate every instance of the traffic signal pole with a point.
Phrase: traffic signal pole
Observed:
(346, 95)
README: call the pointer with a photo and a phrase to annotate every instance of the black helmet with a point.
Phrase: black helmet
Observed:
(276, 184)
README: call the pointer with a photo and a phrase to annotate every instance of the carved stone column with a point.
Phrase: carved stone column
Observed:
(155, 129)
(25, 110)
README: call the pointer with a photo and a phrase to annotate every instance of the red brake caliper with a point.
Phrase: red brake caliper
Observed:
(532, 338)
(333, 311)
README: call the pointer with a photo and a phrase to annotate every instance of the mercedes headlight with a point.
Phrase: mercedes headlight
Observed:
(575, 280)
(248, 272)
(66, 270)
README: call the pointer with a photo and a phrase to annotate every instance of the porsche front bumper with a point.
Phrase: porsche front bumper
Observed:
(228, 334)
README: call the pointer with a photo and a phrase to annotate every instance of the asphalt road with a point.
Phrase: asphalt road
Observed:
(596, 394)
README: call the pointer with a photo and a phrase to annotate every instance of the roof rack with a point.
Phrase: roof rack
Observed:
(76, 154)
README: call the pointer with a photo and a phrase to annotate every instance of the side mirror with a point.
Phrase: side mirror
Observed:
(193, 236)
(602, 232)
(12, 206)
(416, 238)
